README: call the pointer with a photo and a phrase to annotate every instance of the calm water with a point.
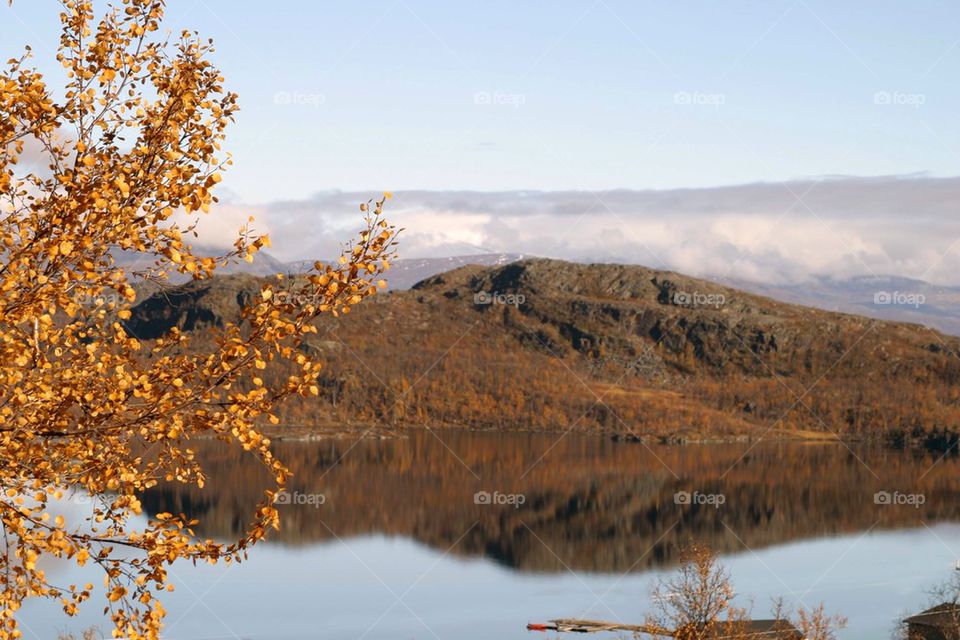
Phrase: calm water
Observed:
(406, 544)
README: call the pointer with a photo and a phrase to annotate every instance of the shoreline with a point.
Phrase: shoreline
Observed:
(322, 432)
(367, 431)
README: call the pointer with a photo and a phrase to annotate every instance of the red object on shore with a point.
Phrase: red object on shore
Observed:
(539, 627)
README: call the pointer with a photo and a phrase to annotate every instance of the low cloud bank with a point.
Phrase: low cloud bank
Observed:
(778, 233)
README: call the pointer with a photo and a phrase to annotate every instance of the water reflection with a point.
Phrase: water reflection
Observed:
(588, 503)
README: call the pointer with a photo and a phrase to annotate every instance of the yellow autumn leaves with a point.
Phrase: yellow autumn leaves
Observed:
(86, 407)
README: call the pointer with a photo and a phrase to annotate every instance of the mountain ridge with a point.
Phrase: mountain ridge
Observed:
(550, 345)
(936, 306)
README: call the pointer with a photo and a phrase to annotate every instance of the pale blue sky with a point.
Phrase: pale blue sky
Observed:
(417, 94)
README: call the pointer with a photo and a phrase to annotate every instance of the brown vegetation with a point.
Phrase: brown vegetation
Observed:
(607, 348)
(697, 603)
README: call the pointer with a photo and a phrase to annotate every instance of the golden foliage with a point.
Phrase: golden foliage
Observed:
(697, 602)
(85, 407)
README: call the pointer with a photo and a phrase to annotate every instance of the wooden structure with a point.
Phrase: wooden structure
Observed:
(941, 622)
(746, 630)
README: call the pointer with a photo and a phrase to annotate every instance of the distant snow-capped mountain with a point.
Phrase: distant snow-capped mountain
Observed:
(406, 272)
(883, 297)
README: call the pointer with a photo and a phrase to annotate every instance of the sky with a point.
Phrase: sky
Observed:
(670, 97)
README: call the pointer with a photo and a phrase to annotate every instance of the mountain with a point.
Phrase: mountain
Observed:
(885, 297)
(406, 272)
(264, 264)
(549, 345)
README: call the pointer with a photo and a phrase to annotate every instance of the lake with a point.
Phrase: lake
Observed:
(453, 534)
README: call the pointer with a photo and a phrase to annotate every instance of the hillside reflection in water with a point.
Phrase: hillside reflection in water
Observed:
(589, 503)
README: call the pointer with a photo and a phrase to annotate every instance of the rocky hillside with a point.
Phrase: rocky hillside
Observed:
(550, 345)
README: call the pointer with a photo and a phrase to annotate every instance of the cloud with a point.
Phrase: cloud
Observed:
(221, 228)
(769, 232)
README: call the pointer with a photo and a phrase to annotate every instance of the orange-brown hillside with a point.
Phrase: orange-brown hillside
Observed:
(550, 345)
